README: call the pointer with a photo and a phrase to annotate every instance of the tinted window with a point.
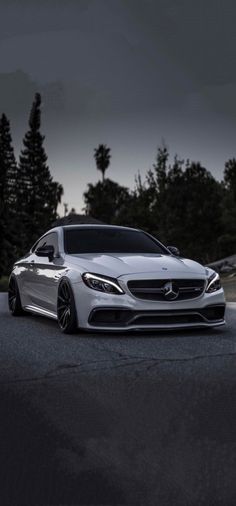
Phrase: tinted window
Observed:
(109, 240)
(49, 239)
(52, 240)
(39, 244)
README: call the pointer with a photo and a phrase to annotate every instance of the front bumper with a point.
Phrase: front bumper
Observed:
(101, 311)
(125, 318)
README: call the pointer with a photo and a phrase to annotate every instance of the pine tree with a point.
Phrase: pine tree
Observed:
(38, 194)
(9, 160)
(8, 185)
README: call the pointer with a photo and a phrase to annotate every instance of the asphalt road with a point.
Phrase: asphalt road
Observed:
(146, 420)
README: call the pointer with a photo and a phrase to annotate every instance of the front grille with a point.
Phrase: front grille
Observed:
(154, 289)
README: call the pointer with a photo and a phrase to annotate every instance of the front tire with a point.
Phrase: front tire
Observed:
(66, 311)
(14, 302)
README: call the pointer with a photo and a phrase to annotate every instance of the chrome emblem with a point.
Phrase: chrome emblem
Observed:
(170, 291)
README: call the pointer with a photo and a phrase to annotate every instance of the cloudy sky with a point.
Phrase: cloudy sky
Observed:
(127, 73)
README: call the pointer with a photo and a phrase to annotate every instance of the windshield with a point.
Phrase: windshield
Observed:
(110, 240)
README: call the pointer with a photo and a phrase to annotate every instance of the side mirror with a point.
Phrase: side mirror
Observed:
(175, 251)
(45, 251)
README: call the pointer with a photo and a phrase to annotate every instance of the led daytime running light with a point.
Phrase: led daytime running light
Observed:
(213, 279)
(89, 276)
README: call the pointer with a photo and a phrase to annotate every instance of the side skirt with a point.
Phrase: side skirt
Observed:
(41, 311)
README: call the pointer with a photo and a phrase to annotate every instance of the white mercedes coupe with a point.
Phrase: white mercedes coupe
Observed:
(105, 277)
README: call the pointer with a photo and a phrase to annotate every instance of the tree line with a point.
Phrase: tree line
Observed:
(180, 202)
(28, 195)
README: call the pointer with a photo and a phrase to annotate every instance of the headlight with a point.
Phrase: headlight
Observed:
(102, 284)
(213, 283)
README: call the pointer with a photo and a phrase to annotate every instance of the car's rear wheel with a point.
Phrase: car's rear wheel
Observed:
(14, 301)
(66, 311)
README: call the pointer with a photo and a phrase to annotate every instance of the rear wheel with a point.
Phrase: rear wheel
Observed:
(14, 301)
(66, 311)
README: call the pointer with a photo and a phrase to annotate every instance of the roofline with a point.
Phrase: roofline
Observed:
(95, 225)
(85, 225)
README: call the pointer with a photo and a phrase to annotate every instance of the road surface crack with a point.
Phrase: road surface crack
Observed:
(66, 369)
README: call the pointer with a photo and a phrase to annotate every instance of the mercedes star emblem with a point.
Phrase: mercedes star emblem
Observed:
(170, 291)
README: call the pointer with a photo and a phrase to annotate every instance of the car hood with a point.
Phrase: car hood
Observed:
(121, 264)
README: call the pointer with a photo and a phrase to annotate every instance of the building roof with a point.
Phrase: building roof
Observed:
(76, 219)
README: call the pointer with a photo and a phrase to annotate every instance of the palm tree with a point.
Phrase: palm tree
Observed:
(102, 157)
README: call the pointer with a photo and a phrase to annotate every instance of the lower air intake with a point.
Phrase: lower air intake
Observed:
(124, 317)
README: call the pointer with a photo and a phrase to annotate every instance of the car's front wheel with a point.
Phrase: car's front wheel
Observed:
(66, 310)
(14, 301)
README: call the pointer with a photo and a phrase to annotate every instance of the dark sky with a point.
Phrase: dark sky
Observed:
(124, 72)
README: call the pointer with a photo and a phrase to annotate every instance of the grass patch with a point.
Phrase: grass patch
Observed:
(3, 284)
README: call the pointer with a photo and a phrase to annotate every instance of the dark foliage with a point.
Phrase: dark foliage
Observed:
(227, 242)
(28, 195)
(106, 200)
(180, 203)
(38, 194)
(9, 220)
(102, 158)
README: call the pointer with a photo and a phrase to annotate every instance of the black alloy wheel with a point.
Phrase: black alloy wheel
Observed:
(66, 312)
(14, 301)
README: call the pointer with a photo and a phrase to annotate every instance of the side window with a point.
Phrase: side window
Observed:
(52, 240)
(49, 239)
(39, 244)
